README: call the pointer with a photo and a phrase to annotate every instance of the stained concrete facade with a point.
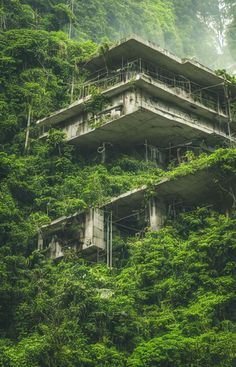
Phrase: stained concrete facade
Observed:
(157, 213)
(151, 112)
(158, 121)
(83, 231)
(152, 97)
(140, 76)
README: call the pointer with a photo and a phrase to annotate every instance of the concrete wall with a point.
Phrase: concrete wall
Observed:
(119, 105)
(94, 229)
(129, 102)
(156, 104)
(55, 249)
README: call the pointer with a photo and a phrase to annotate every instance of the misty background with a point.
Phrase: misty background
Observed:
(204, 30)
(198, 29)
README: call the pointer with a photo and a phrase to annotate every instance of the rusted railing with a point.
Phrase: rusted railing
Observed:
(178, 84)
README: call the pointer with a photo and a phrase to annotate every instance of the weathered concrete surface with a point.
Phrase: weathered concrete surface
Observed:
(134, 47)
(94, 236)
(157, 210)
(58, 223)
(134, 116)
(90, 233)
(199, 188)
(148, 84)
(159, 128)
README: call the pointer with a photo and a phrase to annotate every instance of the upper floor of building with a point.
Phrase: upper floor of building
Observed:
(151, 91)
(134, 56)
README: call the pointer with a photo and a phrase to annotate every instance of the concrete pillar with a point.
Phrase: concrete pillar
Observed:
(157, 213)
(94, 229)
(88, 235)
(55, 249)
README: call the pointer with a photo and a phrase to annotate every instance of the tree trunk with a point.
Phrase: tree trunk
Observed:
(70, 25)
(28, 128)
(72, 89)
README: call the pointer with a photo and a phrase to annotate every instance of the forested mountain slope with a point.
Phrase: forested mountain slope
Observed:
(186, 27)
(170, 299)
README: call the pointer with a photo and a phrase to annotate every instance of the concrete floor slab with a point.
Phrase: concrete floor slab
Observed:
(145, 124)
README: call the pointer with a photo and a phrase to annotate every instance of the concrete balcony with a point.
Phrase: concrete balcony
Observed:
(137, 115)
(159, 111)
(169, 83)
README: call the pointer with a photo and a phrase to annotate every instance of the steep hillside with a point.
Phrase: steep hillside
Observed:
(186, 27)
(170, 298)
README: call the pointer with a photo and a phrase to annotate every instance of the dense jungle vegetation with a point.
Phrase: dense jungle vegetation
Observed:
(172, 303)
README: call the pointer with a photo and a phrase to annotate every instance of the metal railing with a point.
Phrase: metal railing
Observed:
(178, 84)
(106, 82)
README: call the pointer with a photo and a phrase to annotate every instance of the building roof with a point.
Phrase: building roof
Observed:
(134, 47)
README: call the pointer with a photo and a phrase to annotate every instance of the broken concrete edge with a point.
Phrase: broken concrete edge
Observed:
(199, 168)
(60, 220)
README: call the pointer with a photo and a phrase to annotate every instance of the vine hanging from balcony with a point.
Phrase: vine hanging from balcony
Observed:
(97, 102)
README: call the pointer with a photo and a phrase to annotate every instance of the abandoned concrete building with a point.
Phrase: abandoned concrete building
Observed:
(154, 102)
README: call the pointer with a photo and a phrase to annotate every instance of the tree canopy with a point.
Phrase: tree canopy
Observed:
(170, 298)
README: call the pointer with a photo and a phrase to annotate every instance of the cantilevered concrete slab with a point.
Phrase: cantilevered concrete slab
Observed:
(160, 115)
(195, 189)
(176, 96)
(134, 47)
(60, 222)
(159, 128)
(91, 229)
(150, 85)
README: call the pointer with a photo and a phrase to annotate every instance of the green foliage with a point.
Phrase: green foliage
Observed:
(178, 25)
(226, 76)
(37, 69)
(231, 8)
(175, 349)
(48, 15)
(173, 302)
(97, 102)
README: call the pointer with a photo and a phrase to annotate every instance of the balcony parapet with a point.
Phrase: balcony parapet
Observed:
(175, 83)
(122, 80)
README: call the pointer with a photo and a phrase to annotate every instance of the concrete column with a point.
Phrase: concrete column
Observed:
(88, 235)
(94, 229)
(157, 213)
(55, 249)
